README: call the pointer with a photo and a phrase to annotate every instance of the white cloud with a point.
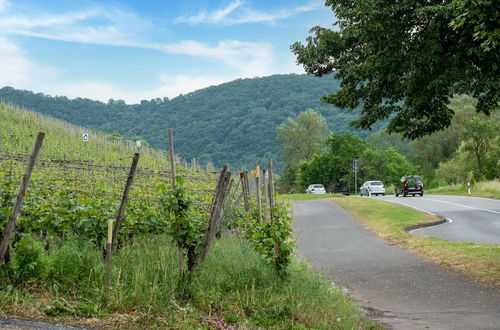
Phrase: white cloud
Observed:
(109, 26)
(115, 27)
(214, 17)
(250, 58)
(95, 90)
(16, 69)
(242, 14)
(171, 86)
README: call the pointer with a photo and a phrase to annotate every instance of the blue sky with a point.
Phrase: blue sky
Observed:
(135, 50)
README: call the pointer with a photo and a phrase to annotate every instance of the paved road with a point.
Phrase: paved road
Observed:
(469, 218)
(15, 324)
(400, 289)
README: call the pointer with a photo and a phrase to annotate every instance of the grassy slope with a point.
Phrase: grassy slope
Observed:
(488, 189)
(234, 286)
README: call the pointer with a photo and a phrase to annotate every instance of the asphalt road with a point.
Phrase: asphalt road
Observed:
(15, 324)
(469, 218)
(396, 287)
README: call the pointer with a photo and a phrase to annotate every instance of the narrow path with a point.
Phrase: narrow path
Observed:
(397, 287)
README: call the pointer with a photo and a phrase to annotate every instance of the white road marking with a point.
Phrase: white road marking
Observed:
(469, 207)
(416, 208)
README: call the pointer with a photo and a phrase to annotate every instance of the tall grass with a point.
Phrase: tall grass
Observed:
(235, 285)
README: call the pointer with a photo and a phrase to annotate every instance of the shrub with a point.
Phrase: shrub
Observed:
(30, 262)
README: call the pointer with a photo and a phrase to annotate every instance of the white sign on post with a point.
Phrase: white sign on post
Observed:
(85, 137)
(138, 143)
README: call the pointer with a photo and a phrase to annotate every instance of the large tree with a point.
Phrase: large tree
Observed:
(482, 17)
(303, 136)
(332, 168)
(404, 60)
(480, 137)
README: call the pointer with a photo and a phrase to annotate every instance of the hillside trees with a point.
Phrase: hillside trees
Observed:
(233, 123)
(403, 61)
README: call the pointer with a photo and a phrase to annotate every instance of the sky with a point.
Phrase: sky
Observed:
(140, 50)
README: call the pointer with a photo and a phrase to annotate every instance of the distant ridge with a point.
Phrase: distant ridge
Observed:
(233, 123)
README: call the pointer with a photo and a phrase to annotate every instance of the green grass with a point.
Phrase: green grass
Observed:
(234, 286)
(489, 189)
(479, 261)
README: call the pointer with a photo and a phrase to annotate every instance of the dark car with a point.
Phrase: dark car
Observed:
(410, 185)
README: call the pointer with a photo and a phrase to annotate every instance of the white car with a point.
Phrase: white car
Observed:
(373, 187)
(316, 189)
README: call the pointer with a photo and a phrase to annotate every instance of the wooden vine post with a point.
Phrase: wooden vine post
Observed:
(216, 211)
(123, 204)
(272, 203)
(174, 184)
(257, 185)
(113, 231)
(263, 193)
(228, 199)
(172, 155)
(246, 191)
(11, 224)
(270, 189)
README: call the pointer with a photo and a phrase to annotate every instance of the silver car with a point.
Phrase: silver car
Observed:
(373, 187)
(316, 189)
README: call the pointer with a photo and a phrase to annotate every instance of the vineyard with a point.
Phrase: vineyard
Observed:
(77, 185)
(188, 236)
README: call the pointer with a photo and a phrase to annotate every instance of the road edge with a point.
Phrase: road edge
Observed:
(424, 225)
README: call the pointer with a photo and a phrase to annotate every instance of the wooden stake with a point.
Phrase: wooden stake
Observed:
(11, 224)
(265, 200)
(257, 185)
(174, 184)
(172, 154)
(216, 211)
(121, 210)
(109, 251)
(270, 189)
(246, 192)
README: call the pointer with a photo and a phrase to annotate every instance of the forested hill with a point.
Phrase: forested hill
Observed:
(232, 123)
